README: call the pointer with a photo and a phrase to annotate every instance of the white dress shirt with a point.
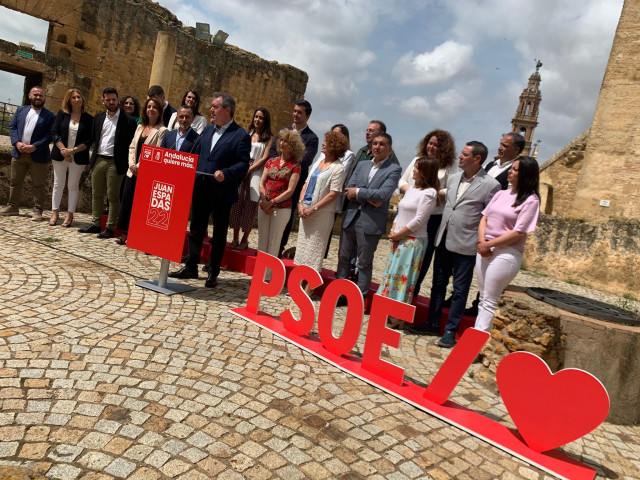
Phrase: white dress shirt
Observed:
(30, 125)
(107, 141)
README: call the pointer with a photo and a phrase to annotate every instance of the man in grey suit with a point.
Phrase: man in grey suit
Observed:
(468, 193)
(368, 193)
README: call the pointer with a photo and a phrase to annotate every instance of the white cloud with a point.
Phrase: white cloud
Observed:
(442, 64)
(416, 106)
(573, 40)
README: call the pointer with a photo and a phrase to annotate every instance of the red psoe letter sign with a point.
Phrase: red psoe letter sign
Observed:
(301, 299)
(259, 287)
(378, 334)
(161, 203)
(453, 368)
(355, 309)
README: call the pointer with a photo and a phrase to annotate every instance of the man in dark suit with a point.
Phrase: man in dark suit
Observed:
(301, 113)
(112, 133)
(365, 219)
(468, 193)
(30, 133)
(157, 92)
(184, 138)
(510, 147)
(223, 162)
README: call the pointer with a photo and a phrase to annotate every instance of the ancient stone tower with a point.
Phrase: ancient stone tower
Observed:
(525, 120)
(130, 44)
(608, 185)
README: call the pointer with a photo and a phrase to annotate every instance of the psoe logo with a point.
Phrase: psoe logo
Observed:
(151, 154)
(160, 203)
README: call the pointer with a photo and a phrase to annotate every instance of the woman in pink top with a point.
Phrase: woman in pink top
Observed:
(510, 215)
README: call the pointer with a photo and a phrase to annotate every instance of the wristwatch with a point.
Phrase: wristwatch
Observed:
(315, 208)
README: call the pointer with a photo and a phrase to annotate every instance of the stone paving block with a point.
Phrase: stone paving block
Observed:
(120, 468)
(65, 453)
(64, 471)
(8, 449)
(95, 460)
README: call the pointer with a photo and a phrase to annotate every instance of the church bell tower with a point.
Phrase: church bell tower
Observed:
(525, 120)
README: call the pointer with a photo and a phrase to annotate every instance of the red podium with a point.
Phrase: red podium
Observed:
(161, 210)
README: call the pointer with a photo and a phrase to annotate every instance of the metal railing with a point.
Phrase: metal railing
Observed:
(6, 114)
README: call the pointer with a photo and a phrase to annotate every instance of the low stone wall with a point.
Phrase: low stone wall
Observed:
(608, 351)
(84, 203)
(603, 255)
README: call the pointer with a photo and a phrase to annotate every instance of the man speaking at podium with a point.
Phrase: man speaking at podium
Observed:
(223, 161)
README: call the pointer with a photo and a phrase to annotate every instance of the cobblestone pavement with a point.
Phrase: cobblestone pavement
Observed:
(100, 379)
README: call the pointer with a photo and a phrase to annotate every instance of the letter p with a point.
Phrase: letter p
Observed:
(259, 287)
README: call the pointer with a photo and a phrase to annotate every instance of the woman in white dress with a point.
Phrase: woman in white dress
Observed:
(319, 199)
(243, 212)
(191, 99)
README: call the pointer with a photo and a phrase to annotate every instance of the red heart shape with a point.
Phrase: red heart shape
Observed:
(550, 410)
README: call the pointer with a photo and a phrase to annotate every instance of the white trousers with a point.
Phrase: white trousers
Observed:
(494, 273)
(271, 228)
(60, 169)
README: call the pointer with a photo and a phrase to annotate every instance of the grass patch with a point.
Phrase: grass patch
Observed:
(50, 239)
(629, 296)
(573, 281)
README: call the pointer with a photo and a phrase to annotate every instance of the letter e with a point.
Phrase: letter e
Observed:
(378, 334)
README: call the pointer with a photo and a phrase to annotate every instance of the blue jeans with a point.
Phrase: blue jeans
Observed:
(445, 264)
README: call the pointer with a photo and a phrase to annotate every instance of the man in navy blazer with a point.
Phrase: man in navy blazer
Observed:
(223, 162)
(30, 133)
(184, 137)
(365, 219)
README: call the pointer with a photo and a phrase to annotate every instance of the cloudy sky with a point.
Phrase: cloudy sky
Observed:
(417, 64)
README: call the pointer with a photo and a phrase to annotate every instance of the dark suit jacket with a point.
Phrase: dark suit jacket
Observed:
(60, 131)
(166, 114)
(310, 141)
(379, 189)
(188, 144)
(230, 155)
(41, 137)
(125, 130)
(502, 178)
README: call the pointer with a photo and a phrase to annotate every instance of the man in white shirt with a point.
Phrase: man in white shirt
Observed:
(30, 133)
(112, 133)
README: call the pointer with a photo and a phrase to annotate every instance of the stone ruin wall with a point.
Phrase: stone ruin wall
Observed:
(92, 45)
(559, 176)
(600, 254)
